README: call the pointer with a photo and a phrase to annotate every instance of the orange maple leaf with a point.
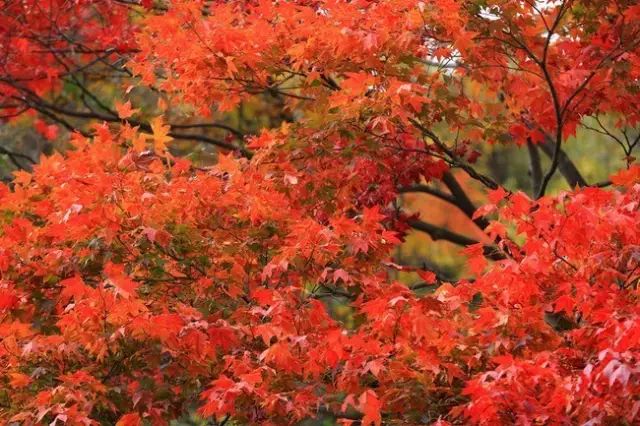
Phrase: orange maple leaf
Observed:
(124, 110)
(626, 177)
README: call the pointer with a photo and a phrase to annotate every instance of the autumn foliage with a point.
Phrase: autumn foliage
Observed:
(137, 286)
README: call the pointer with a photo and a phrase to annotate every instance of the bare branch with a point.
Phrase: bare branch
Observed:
(535, 168)
(437, 233)
(462, 200)
(567, 167)
(428, 190)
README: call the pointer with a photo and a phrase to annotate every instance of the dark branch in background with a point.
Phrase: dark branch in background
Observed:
(426, 189)
(535, 168)
(438, 233)
(328, 291)
(558, 136)
(13, 157)
(53, 117)
(462, 200)
(458, 198)
(567, 167)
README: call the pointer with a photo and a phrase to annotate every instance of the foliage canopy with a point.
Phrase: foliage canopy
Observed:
(137, 285)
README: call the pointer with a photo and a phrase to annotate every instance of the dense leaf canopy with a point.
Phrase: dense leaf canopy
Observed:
(138, 286)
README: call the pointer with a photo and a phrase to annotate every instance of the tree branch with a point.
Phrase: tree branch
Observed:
(567, 167)
(462, 200)
(13, 157)
(437, 233)
(428, 190)
(535, 168)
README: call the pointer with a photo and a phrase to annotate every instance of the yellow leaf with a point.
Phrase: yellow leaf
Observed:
(160, 134)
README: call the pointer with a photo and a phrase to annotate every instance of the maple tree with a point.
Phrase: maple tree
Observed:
(138, 285)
